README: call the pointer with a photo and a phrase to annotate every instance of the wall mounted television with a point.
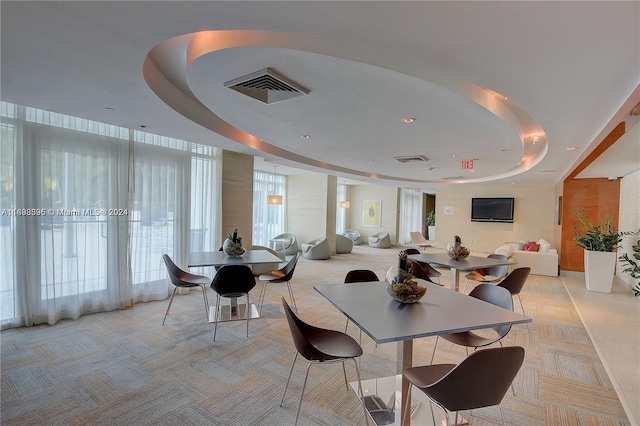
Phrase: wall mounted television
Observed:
(492, 210)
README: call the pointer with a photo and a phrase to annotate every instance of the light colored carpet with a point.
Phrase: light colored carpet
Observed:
(125, 368)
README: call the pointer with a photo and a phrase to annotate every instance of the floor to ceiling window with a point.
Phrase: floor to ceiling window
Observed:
(87, 211)
(268, 219)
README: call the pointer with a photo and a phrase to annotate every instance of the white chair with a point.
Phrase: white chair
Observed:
(417, 239)
(380, 240)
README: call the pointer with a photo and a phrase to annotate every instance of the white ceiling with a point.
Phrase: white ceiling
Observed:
(568, 70)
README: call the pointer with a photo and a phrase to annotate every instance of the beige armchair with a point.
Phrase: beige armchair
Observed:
(287, 242)
(380, 240)
(343, 244)
(317, 249)
(264, 268)
(353, 235)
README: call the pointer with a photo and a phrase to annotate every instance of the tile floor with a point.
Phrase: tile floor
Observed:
(613, 323)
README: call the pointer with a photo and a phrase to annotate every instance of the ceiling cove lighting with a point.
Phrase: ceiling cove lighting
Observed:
(273, 199)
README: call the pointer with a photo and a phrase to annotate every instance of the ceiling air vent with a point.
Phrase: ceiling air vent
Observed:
(412, 159)
(267, 86)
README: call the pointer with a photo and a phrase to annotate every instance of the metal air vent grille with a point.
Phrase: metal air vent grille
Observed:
(412, 159)
(266, 86)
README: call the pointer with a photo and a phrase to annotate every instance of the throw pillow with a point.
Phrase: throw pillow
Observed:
(531, 246)
(545, 245)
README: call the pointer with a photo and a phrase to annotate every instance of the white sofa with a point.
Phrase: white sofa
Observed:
(541, 263)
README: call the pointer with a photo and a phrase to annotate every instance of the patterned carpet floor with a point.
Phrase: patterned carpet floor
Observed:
(125, 368)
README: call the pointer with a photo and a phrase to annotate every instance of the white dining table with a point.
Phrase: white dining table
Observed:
(385, 320)
(470, 263)
(234, 311)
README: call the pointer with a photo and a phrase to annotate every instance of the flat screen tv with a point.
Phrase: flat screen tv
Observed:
(492, 210)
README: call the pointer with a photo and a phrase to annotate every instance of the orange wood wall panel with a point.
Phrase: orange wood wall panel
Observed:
(594, 199)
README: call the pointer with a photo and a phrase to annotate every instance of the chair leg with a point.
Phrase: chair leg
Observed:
(407, 408)
(435, 345)
(364, 407)
(247, 312)
(293, 299)
(522, 307)
(344, 370)
(169, 307)
(206, 302)
(304, 385)
(262, 293)
(346, 326)
(288, 378)
(216, 317)
(502, 415)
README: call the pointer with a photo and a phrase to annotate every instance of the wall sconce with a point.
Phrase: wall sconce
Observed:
(343, 204)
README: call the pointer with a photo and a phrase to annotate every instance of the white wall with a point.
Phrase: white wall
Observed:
(311, 206)
(629, 218)
(389, 213)
(535, 215)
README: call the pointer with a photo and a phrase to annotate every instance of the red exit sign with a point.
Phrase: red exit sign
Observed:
(467, 164)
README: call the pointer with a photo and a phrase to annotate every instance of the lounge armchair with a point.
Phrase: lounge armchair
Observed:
(417, 239)
(354, 236)
(380, 240)
(343, 244)
(290, 246)
(317, 249)
(263, 268)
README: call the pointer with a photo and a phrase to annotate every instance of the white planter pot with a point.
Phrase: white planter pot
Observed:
(599, 267)
(432, 233)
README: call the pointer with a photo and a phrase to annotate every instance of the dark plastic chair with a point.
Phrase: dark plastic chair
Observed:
(423, 270)
(481, 380)
(514, 282)
(183, 279)
(359, 276)
(283, 275)
(481, 275)
(232, 281)
(321, 346)
(489, 293)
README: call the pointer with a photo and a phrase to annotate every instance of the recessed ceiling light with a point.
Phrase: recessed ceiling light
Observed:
(408, 120)
(143, 126)
(305, 137)
(453, 155)
(109, 108)
(571, 148)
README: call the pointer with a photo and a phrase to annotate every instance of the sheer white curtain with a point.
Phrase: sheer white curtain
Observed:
(341, 212)
(410, 217)
(268, 219)
(90, 209)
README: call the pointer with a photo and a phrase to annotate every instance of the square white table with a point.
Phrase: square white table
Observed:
(469, 264)
(440, 311)
(233, 311)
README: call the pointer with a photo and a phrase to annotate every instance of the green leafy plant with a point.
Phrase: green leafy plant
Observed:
(431, 218)
(602, 237)
(633, 266)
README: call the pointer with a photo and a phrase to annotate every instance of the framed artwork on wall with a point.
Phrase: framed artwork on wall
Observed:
(372, 210)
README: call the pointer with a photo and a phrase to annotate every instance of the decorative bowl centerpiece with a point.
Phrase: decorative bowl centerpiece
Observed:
(232, 246)
(400, 284)
(457, 251)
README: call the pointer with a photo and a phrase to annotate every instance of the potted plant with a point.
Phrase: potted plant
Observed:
(599, 243)
(431, 225)
(634, 266)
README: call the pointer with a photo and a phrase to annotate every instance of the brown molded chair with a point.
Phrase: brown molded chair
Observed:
(423, 270)
(282, 275)
(489, 293)
(180, 278)
(491, 275)
(359, 276)
(321, 346)
(514, 282)
(232, 281)
(481, 380)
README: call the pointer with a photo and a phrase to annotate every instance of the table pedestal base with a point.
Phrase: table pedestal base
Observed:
(382, 399)
(233, 312)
